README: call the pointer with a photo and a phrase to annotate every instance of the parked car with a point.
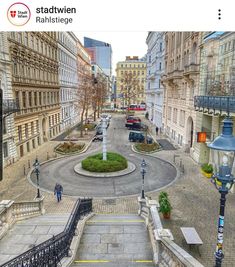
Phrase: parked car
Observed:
(139, 137)
(131, 119)
(98, 138)
(137, 126)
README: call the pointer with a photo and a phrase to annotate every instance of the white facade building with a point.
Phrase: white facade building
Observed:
(155, 68)
(68, 78)
(8, 146)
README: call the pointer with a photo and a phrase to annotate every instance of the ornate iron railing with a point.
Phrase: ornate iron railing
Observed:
(214, 104)
(50, 252)
(10, 106)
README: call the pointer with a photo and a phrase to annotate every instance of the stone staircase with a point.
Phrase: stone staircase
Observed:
(114, 240)
(28, 233)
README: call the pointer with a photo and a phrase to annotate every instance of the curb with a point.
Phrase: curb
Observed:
(77, 168)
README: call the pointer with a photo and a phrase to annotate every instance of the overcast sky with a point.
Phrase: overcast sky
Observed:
(123, 43)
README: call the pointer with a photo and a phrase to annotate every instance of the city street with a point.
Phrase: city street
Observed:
(159, 173)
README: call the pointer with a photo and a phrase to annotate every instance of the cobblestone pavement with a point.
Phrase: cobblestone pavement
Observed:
(194, 199)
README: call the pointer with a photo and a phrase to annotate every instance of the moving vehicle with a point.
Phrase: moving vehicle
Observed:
(137, 107)
(139, 137)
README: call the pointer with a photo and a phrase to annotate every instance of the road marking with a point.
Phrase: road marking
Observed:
(144, 261)
(90, 261)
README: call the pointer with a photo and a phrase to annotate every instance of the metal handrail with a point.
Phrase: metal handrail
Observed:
(219, 103)
(50, 252)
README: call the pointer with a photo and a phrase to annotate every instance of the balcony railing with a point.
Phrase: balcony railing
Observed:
(10, 106)
(214, 104)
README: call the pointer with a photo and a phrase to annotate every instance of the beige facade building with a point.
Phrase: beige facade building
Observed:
(35, 84)
(180, 82)
(131, 78)
(217, 88)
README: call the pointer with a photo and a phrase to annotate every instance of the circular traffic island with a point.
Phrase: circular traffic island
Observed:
(95, 163)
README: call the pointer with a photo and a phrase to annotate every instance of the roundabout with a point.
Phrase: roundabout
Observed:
(159, 173)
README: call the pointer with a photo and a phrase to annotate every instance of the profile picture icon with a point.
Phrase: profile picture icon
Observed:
(18, 14)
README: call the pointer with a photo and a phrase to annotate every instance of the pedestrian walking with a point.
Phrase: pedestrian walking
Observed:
(58, 191)
(157, 130)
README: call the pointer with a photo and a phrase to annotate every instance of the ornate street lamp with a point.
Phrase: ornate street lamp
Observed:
(37, 171)
(223, 178)
(143, 172)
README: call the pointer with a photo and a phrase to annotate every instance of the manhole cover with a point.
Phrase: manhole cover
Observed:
(109, 201)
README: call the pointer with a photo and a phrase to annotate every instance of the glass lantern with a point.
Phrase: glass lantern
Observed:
(223, 153)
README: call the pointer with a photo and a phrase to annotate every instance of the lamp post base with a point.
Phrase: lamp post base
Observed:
(38, 194)
(142, 194)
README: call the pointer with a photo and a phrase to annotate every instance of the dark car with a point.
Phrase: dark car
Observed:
(98, 138)
(139, 137)
(137, 126)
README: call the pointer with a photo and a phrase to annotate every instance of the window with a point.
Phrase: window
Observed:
(33, 143)
(4, 126)
(26, 131)
(175, 115)
(37, 126)
(40, 98)
(32, 128)
(20, 133)
(30, 99)
(182, 118)
(5, 150)
(24, 99)
(28, 147)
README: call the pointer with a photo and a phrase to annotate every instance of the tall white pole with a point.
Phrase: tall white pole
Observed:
(104, 126)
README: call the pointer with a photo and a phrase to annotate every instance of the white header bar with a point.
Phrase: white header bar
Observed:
(117, 15)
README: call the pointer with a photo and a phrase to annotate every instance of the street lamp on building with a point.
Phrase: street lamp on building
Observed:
(143, 172)
(223, 152)
(37, 171)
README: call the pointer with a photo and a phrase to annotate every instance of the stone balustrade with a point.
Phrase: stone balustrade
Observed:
(165, 251)
(11, 212)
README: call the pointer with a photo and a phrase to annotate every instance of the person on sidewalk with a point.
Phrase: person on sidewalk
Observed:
(58, 191)
(157, 130)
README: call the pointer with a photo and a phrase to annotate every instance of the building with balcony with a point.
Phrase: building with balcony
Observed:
(8, 124)
(216, 96)
(181, 83)
(155, 68)
(35, 84)
(68, 78)
(131, 78)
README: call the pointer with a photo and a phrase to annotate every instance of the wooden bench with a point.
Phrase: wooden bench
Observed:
(191, 237)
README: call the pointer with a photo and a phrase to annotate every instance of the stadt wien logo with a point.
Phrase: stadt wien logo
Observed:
(18, 14)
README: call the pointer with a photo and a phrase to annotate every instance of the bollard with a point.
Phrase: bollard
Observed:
(29, 164)
(24, 170)
(182, 168)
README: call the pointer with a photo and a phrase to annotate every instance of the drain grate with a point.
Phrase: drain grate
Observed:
(109, 201)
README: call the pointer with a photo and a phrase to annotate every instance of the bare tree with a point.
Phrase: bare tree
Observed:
(99, 94)
(84, 94)
(131, 84)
